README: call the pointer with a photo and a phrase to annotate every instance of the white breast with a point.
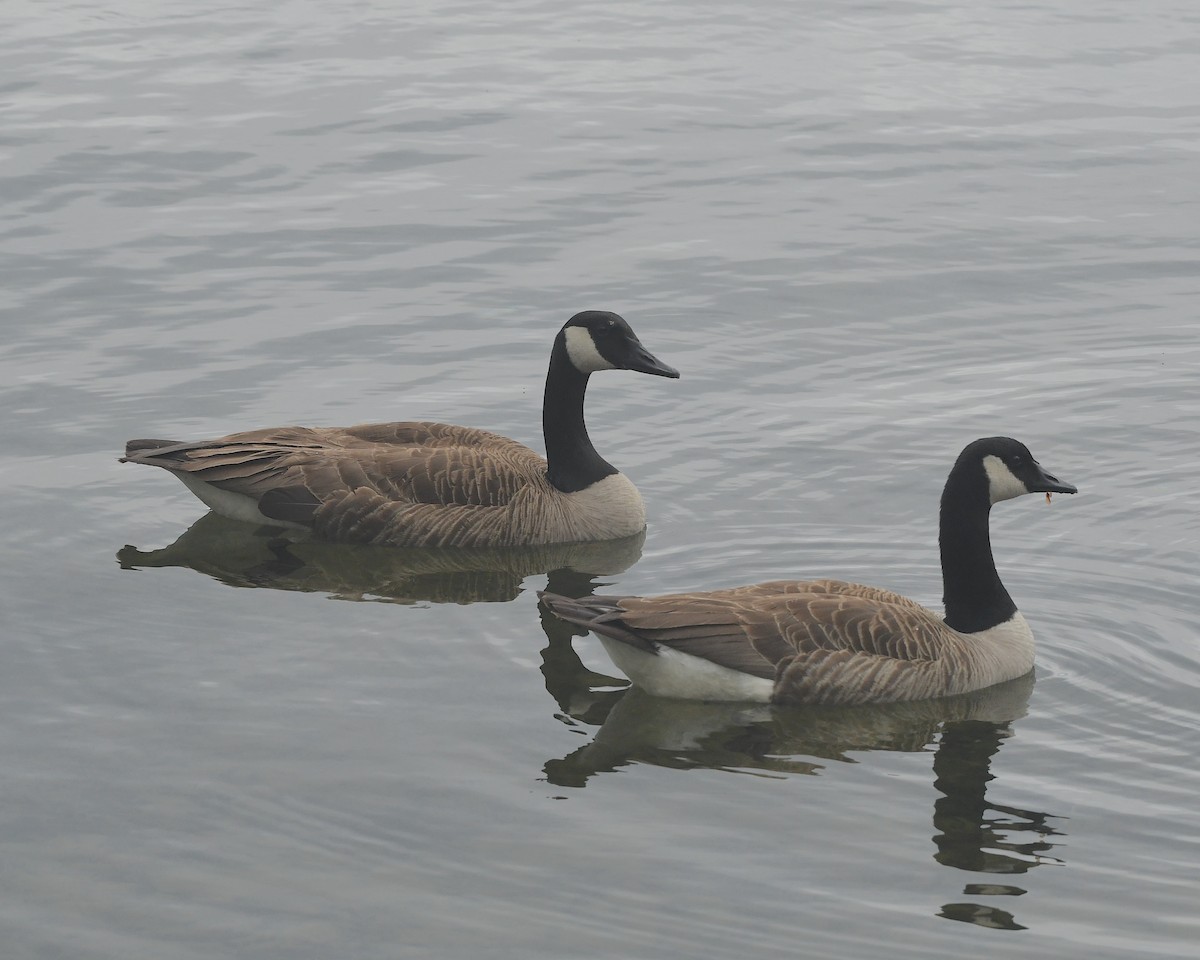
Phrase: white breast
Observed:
(1003, 652)
(608, 509)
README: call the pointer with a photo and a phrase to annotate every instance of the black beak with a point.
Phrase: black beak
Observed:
(1048, 483)
(642, 360)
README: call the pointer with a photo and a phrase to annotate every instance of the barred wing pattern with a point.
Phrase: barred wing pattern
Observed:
(402, 484)
(823, 641)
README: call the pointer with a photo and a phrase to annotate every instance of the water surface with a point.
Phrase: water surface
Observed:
(865, 234)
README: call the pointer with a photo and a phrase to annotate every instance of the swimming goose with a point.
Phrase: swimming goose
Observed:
(830, 642)
(423, 484)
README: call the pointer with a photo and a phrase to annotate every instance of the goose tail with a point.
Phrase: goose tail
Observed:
(603, 615)
(135, 450)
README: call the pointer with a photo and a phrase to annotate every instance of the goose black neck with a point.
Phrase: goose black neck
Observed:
(975, 598)
(572, 462)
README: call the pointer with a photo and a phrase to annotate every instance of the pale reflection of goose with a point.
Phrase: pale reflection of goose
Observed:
(245, 556)
(830, 642)
(972, 833)
(417, 484)
(643, 728)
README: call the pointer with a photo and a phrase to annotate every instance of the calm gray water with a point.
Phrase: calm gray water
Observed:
(865, 233)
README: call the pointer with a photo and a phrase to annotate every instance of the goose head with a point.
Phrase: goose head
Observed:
(1006, 469)
(599, 340)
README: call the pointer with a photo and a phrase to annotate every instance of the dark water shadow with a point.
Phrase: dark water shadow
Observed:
(971, 833)
(978, 835)
(242, 555)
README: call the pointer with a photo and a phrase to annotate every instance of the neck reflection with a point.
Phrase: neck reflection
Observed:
(972, 833)
(977, 835)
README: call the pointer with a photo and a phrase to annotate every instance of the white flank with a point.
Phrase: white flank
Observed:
(681, 676)
(235, 506)
(608, 509)
(581, 348)
(1002, 482)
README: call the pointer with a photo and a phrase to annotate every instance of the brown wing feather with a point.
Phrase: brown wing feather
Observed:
(829, 587)
(422, 433)
(364, 516)
(451, 475)
(703, 625)
(429, 463)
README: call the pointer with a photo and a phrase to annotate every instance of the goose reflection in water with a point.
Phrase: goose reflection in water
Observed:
(242, 555)
(972, 834)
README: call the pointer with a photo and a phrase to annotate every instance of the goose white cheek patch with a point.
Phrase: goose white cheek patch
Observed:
(1002, 482)
(582, 351)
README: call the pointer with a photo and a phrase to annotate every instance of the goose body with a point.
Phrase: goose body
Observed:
(432, 484)
(832, 642)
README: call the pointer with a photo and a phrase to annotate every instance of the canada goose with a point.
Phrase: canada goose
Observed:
(826, 641)
(432, 484)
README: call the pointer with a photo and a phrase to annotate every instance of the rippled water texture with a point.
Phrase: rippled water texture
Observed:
(865, 234)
